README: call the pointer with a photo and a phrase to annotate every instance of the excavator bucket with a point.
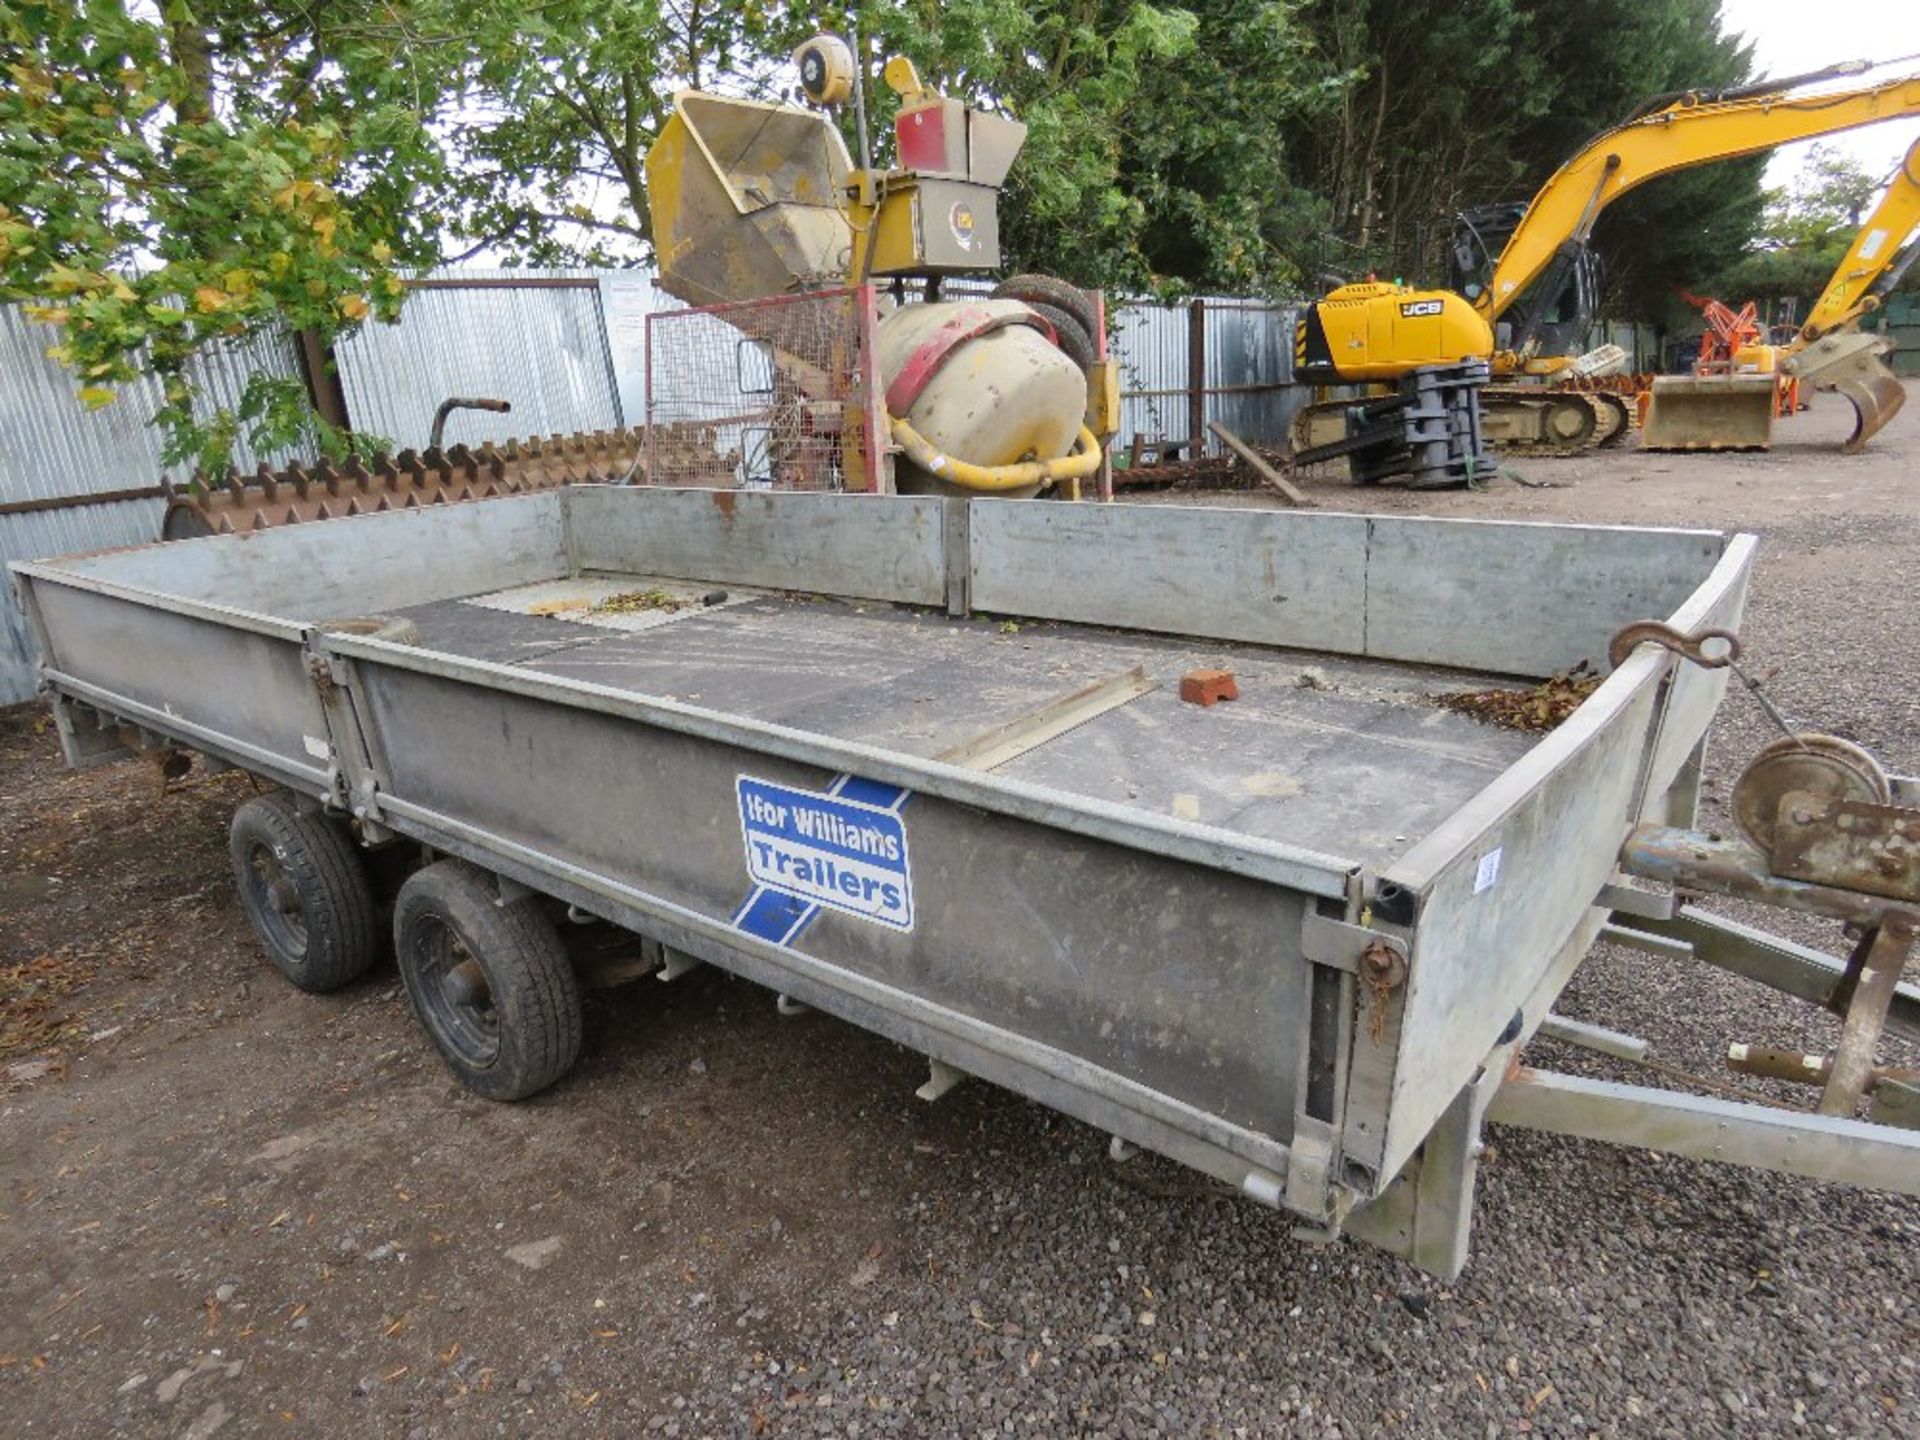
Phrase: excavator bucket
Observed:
(1709, 412)
(1850, 362)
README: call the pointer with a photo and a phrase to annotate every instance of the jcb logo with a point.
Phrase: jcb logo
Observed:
(1415, 308)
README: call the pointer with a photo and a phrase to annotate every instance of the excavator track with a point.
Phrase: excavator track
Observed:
(241, 503)
(1542, 421)
(1532, 420)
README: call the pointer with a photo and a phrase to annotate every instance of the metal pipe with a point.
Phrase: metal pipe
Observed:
(503, 282)
(1775, 1063)
(869, 184)
(72, 502)
(1594, 1037)
(860, 101)
(1691, 860)
(1793, 82)
(458, 402)
(1082, 462)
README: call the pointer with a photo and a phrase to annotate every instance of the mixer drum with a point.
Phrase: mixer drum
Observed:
(980, 383)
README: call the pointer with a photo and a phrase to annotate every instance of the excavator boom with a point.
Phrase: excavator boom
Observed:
(1831, 351)
(1878, 255)
(1690, 131)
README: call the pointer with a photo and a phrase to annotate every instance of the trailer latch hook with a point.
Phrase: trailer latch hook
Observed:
(1689, 647)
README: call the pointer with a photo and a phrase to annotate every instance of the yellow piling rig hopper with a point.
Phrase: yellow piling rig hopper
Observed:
(1007, 395)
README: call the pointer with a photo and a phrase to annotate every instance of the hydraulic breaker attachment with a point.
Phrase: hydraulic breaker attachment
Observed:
(1709, 412)
(1850, 362)
(1428, 430)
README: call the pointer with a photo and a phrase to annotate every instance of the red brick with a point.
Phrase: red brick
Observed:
(1204, 687)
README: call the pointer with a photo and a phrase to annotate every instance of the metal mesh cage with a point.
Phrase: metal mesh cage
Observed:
(764, 394)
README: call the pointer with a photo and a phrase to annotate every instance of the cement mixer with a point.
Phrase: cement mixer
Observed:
(1008, 395)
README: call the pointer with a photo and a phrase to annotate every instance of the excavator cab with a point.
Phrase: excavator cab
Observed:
(1555, 313)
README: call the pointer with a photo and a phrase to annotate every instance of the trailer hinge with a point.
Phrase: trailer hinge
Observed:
(1310, 1189)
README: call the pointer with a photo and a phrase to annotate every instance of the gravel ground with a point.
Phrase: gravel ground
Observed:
(232, 1208)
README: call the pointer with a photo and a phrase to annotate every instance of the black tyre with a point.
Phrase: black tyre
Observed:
(1073, 342)
(489, 980)
(1048, 290)
(304, 886)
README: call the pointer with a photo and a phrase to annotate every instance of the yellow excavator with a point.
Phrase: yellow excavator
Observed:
(1735, 410)
(1440, 349)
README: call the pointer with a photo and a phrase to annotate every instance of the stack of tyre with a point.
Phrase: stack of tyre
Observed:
(1071, 314)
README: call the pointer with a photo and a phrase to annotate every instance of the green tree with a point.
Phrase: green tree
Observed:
(559, 103)
(1073, 73)
(1454, 105)
(1206, 138)
(179, 177)
(1681, 228)
(1433, 116)
(1804, 232)
(562, 102)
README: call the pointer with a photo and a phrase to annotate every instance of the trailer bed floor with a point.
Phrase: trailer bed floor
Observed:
(1344, 756)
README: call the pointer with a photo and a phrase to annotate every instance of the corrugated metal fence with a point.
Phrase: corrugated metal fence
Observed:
(1215, 359)
(566, 349)
(51, 448)
(538, 340)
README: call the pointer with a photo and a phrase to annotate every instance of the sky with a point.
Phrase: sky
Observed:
(1791, 37)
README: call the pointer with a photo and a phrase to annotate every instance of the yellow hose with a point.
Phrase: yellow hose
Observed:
(1081, 462)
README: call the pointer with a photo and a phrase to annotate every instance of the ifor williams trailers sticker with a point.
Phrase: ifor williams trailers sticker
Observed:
(842, 849)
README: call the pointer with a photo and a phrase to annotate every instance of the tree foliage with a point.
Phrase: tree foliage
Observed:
(1805, 231)
(1452, 105)
(558, 103)
(178, 177)
(562, 102)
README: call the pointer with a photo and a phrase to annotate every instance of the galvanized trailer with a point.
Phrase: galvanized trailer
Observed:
(922, 764)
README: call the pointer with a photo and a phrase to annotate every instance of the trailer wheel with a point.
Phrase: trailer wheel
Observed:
(489, 980)
(305, 888)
